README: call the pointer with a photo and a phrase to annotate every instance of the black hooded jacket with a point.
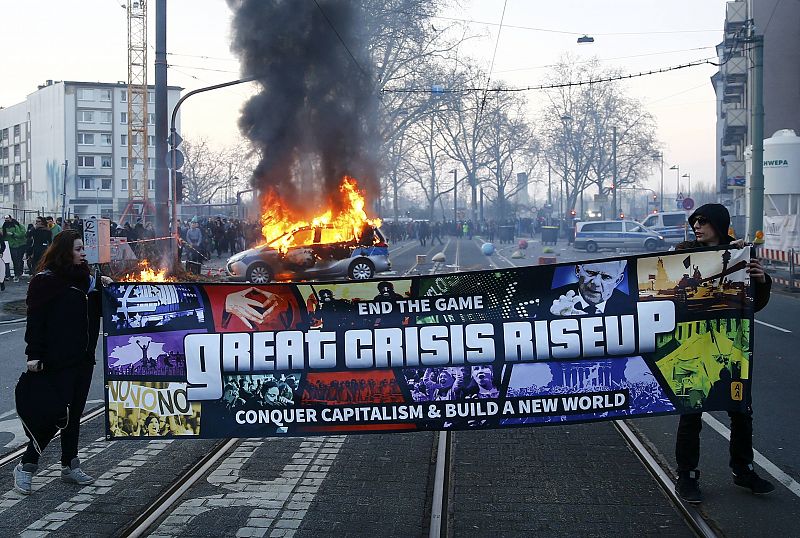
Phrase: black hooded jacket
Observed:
(63, 319)
(719, 218)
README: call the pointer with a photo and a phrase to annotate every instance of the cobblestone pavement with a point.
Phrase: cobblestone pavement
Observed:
(578, 480)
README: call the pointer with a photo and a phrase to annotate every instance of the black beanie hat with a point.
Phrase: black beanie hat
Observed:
(718, 217)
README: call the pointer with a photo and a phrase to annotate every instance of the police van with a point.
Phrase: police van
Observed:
(625, 234)
(672, 225)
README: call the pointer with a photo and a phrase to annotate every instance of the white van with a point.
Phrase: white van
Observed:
(626, 234)
(671, 225)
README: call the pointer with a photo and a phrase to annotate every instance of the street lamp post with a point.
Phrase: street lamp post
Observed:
(660, 157)
(97, 200)
(455, 194)
(677, 168)
(689, 178)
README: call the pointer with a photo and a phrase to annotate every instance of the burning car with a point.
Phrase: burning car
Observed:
(314, 252)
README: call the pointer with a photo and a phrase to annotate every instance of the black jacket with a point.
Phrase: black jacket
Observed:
(63, 322)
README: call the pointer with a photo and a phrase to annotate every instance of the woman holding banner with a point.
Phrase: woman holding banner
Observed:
(710, 223)
(61, 336)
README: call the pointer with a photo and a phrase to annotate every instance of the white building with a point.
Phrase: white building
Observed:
(75, 127)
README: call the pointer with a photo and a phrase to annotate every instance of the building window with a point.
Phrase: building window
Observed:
(105, 139)
(123, 184)
(151, 119)
(123, 162)
(123, 140)
(106, 117)
(86, 161)
(151, 97)
(16, 131)
(151, 163)
(86, 183)
(86, 116)
(123, 96)
(151, 141)
(17, 170)
(4, 172)
(105, 161)
(123, 117)
(105, 95)
(85, 94)
(3, 135)
(4, 153)
(85, 139)
(16, 151)
(105, 184)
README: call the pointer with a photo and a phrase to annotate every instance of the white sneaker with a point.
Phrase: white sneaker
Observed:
(23, 477)
(74, 475)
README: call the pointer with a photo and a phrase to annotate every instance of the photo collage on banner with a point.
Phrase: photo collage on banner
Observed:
(594, 340)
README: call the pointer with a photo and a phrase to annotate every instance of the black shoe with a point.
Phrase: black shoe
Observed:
(749, 479)
(688, 488)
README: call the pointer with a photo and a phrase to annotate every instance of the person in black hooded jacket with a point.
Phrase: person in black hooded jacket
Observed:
(61, 336)
(710, 223)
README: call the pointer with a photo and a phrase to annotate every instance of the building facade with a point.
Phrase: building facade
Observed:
(779, 23)
(77, 131)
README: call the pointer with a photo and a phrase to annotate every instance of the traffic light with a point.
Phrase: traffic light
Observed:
(573, 213)
(179, 187)
(622, 216)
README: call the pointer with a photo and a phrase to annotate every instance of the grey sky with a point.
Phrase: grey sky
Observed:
(87, 40)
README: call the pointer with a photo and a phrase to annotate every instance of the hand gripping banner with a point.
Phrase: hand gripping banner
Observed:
(595, 340)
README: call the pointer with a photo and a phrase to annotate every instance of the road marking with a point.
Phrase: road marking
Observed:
(278, 505)
(773, 326)
(773, 470)
(51, 473)
(89, 494)
(6, 332)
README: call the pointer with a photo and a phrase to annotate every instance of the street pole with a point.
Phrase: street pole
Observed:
(757, 119)
(64, 195)
(161, 110)
(614, 172)
(455, 195)
(661, 199)
(549, 185)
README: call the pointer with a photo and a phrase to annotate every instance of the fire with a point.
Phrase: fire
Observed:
(278, 223)
(144, 273)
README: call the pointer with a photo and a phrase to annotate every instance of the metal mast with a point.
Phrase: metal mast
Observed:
(137, 110)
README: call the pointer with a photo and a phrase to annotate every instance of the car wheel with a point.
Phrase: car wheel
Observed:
(591, 246)
(650, 245)
(259, 273)
(361, 270)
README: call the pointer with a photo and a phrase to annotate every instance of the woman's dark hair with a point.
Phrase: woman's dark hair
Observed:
(58, 256)
(150, 418)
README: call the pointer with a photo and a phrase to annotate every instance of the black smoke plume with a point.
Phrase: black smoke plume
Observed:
(313, 120)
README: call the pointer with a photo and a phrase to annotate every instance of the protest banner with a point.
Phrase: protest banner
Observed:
(593, 340)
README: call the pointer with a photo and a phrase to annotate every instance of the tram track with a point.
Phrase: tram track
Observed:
(693, 518)
(442, 493)
(15, 453)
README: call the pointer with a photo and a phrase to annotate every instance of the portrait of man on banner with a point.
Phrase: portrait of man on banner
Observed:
(591, 288)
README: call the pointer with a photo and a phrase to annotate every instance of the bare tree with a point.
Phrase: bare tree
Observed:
(210, 170)
(578, 127)
(510, 148)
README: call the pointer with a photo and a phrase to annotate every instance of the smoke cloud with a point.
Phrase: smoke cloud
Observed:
(313, 120)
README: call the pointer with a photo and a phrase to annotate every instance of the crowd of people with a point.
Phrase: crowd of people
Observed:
(352, 391)
(424, 231)
(259, 392)
(135, 423)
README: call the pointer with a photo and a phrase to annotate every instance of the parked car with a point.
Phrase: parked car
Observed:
(313, 253)
(628, 234)
(672, 225)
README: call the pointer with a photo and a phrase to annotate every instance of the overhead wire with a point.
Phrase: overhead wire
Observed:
(568, 32)
(494, 55)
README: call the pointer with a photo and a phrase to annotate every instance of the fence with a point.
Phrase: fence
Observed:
(790, 259)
